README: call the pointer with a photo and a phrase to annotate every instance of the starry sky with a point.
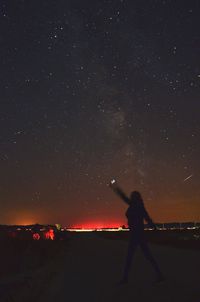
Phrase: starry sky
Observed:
(96, 89)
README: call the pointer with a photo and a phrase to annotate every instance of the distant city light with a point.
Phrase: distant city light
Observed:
(96, 229)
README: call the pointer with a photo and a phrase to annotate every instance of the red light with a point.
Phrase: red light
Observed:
(50, 235)
(98, 224)
(13, 234)
(36, 236)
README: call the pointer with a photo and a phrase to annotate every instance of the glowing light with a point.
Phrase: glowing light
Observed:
(95, 225)
(50, 235)
(58, 226)
(13, 234)
(36, 236)
(113, 181)
(120, 229)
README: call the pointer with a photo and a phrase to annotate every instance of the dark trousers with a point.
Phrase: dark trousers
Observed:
(138, 239)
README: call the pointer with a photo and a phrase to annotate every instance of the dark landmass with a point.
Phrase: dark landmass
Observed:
(44, 269)
(189, 239)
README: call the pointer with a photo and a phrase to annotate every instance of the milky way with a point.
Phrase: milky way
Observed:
(95, 90)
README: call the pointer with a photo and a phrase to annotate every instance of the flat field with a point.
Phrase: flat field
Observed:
(88, 266)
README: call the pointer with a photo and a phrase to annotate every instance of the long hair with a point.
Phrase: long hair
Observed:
(136, 199)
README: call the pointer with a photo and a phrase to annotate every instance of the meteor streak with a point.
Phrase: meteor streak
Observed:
(188, 177)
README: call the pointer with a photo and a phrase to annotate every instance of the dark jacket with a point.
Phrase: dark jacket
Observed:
(136, 214)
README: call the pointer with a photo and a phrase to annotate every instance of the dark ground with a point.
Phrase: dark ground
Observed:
(88, 266)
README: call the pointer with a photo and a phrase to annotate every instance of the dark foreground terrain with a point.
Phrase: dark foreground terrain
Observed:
(88, 266)
(187, 239)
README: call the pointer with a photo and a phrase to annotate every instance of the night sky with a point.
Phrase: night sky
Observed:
(91, 90)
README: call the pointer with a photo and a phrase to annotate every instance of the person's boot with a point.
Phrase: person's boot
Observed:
(124, 280)
(160, 278)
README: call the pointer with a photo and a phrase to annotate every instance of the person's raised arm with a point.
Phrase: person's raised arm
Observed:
(119, 192)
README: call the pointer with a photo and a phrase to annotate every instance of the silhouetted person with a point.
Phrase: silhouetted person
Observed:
(136, 214)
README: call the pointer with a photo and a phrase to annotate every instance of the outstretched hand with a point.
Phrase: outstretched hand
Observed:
(113, 184)
(115, 187)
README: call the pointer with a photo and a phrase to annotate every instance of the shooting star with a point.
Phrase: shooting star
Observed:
(188, 177)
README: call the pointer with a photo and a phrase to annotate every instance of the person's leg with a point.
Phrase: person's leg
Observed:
(147, 252)
(133, 242)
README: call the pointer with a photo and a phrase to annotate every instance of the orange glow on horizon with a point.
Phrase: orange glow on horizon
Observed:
(28, 222)
(24, 220)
